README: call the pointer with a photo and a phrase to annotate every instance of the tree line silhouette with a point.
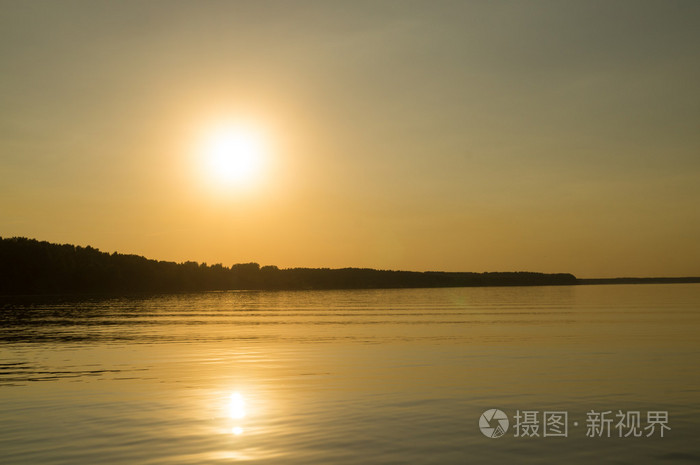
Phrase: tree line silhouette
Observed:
(29, 266)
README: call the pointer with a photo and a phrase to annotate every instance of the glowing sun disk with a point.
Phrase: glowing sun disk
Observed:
(233, 155)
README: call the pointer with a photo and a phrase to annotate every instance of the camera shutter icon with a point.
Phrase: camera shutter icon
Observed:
(493, 423)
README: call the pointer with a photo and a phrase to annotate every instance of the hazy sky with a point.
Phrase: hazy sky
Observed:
(467, 136)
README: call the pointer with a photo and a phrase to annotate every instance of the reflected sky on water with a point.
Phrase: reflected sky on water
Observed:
(381, 376)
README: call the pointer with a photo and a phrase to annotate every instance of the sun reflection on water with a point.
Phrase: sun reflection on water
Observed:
(237, 406)
(237, 411)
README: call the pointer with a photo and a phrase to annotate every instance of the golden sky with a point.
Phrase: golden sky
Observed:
(460, 136)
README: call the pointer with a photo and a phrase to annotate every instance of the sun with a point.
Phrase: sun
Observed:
(233, 155)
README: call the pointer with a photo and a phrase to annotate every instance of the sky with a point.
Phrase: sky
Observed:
(551, 136)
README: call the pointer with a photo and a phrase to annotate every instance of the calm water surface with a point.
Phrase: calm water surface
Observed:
(347, 377)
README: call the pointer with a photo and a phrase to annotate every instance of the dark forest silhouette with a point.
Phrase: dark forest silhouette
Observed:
(28, 266)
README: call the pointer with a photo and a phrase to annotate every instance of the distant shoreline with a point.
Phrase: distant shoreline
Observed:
(682, 280)
(31, 267)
